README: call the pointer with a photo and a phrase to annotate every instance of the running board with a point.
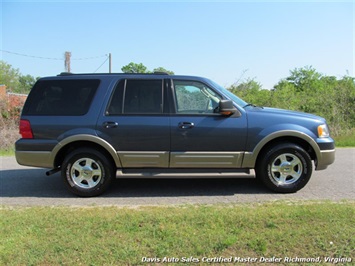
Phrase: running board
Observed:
(185, 173)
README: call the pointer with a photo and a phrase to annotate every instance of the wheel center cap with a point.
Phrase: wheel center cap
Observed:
(286, 168)
(87, 173)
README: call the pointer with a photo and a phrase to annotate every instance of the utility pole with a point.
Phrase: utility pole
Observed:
(109, 62)
(67, 56)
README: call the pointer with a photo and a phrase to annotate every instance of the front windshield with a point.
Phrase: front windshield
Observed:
(230, 95)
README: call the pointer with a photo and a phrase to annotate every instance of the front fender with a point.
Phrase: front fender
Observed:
(250, 158)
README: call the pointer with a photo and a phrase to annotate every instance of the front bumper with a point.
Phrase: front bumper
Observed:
(327, 153)
(327, 157)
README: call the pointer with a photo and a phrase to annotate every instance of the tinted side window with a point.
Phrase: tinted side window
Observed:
(61, 97)
(143, 97)
(137, 97)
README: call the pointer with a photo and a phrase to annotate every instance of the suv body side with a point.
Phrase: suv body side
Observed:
(161, 122)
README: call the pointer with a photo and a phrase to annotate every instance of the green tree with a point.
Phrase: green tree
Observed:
(140, 68)
(303, 90)
(14, 80)
(26, 83)
(248, 84)
(284, 95)
(134, 68)
(9, 76)
(252, 91)
(310, 91)
(162, 69)
(304, 78)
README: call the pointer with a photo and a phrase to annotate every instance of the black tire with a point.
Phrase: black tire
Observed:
(87, 172)
(285, 168)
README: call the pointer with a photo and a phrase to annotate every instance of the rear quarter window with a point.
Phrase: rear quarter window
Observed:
(61, 97)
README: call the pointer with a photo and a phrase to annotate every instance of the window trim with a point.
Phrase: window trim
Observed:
(123, 95)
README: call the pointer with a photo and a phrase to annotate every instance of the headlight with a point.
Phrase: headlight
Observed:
(323, 131)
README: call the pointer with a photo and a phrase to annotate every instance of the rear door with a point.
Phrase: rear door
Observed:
(136, 123)
(200, 136)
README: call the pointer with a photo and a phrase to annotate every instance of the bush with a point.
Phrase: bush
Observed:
(8, 127)
(308, 91)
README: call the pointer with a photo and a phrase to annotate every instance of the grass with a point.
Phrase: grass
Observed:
(8, 152)
(346, 140)
(127, 236)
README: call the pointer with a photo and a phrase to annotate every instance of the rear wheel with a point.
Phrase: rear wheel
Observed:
(87, 172)
(285, 168)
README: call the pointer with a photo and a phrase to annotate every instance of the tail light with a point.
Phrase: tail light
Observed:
(25, 129)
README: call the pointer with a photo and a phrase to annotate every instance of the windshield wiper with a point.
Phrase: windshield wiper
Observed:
(250, 104)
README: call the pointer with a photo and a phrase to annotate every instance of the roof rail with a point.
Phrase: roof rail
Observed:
(160, 73)
(133, 74)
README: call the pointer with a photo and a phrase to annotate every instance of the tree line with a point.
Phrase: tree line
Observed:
(305, 90)
(14, 80)
(18, 83)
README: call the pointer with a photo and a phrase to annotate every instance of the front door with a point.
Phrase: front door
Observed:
(200, 136)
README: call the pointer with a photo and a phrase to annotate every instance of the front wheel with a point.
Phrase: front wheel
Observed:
(87, 172)
(284, 168)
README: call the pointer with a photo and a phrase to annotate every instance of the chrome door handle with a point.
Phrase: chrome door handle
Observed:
(110, 124)
(186, 125)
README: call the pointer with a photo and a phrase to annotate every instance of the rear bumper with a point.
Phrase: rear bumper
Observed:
(34, 152)
(34, 158)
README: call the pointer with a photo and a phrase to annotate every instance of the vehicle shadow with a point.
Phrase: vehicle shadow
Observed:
(34, 183)
(175, 187)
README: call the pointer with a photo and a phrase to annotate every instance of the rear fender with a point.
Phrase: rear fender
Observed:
(89, 138)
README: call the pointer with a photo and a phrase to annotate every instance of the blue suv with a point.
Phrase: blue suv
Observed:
(92, 126)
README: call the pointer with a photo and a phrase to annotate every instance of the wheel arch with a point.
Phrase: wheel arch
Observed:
(88, 141)
(296, 137)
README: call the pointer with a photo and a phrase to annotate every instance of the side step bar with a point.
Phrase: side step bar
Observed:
(185, 173)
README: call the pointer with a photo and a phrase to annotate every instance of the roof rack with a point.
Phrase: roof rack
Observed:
(160, 73)
(155, 73)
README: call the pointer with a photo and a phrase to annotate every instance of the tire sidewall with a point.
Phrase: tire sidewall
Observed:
(100, 159)
(265, 173)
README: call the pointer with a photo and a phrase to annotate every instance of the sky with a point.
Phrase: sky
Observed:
(226, 41)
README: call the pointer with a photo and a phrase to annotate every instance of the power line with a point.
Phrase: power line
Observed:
(93, 57)
(39, 57)
(101, 65)
(51, 58)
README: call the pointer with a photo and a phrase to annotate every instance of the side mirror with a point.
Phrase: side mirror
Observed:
(226, 107)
